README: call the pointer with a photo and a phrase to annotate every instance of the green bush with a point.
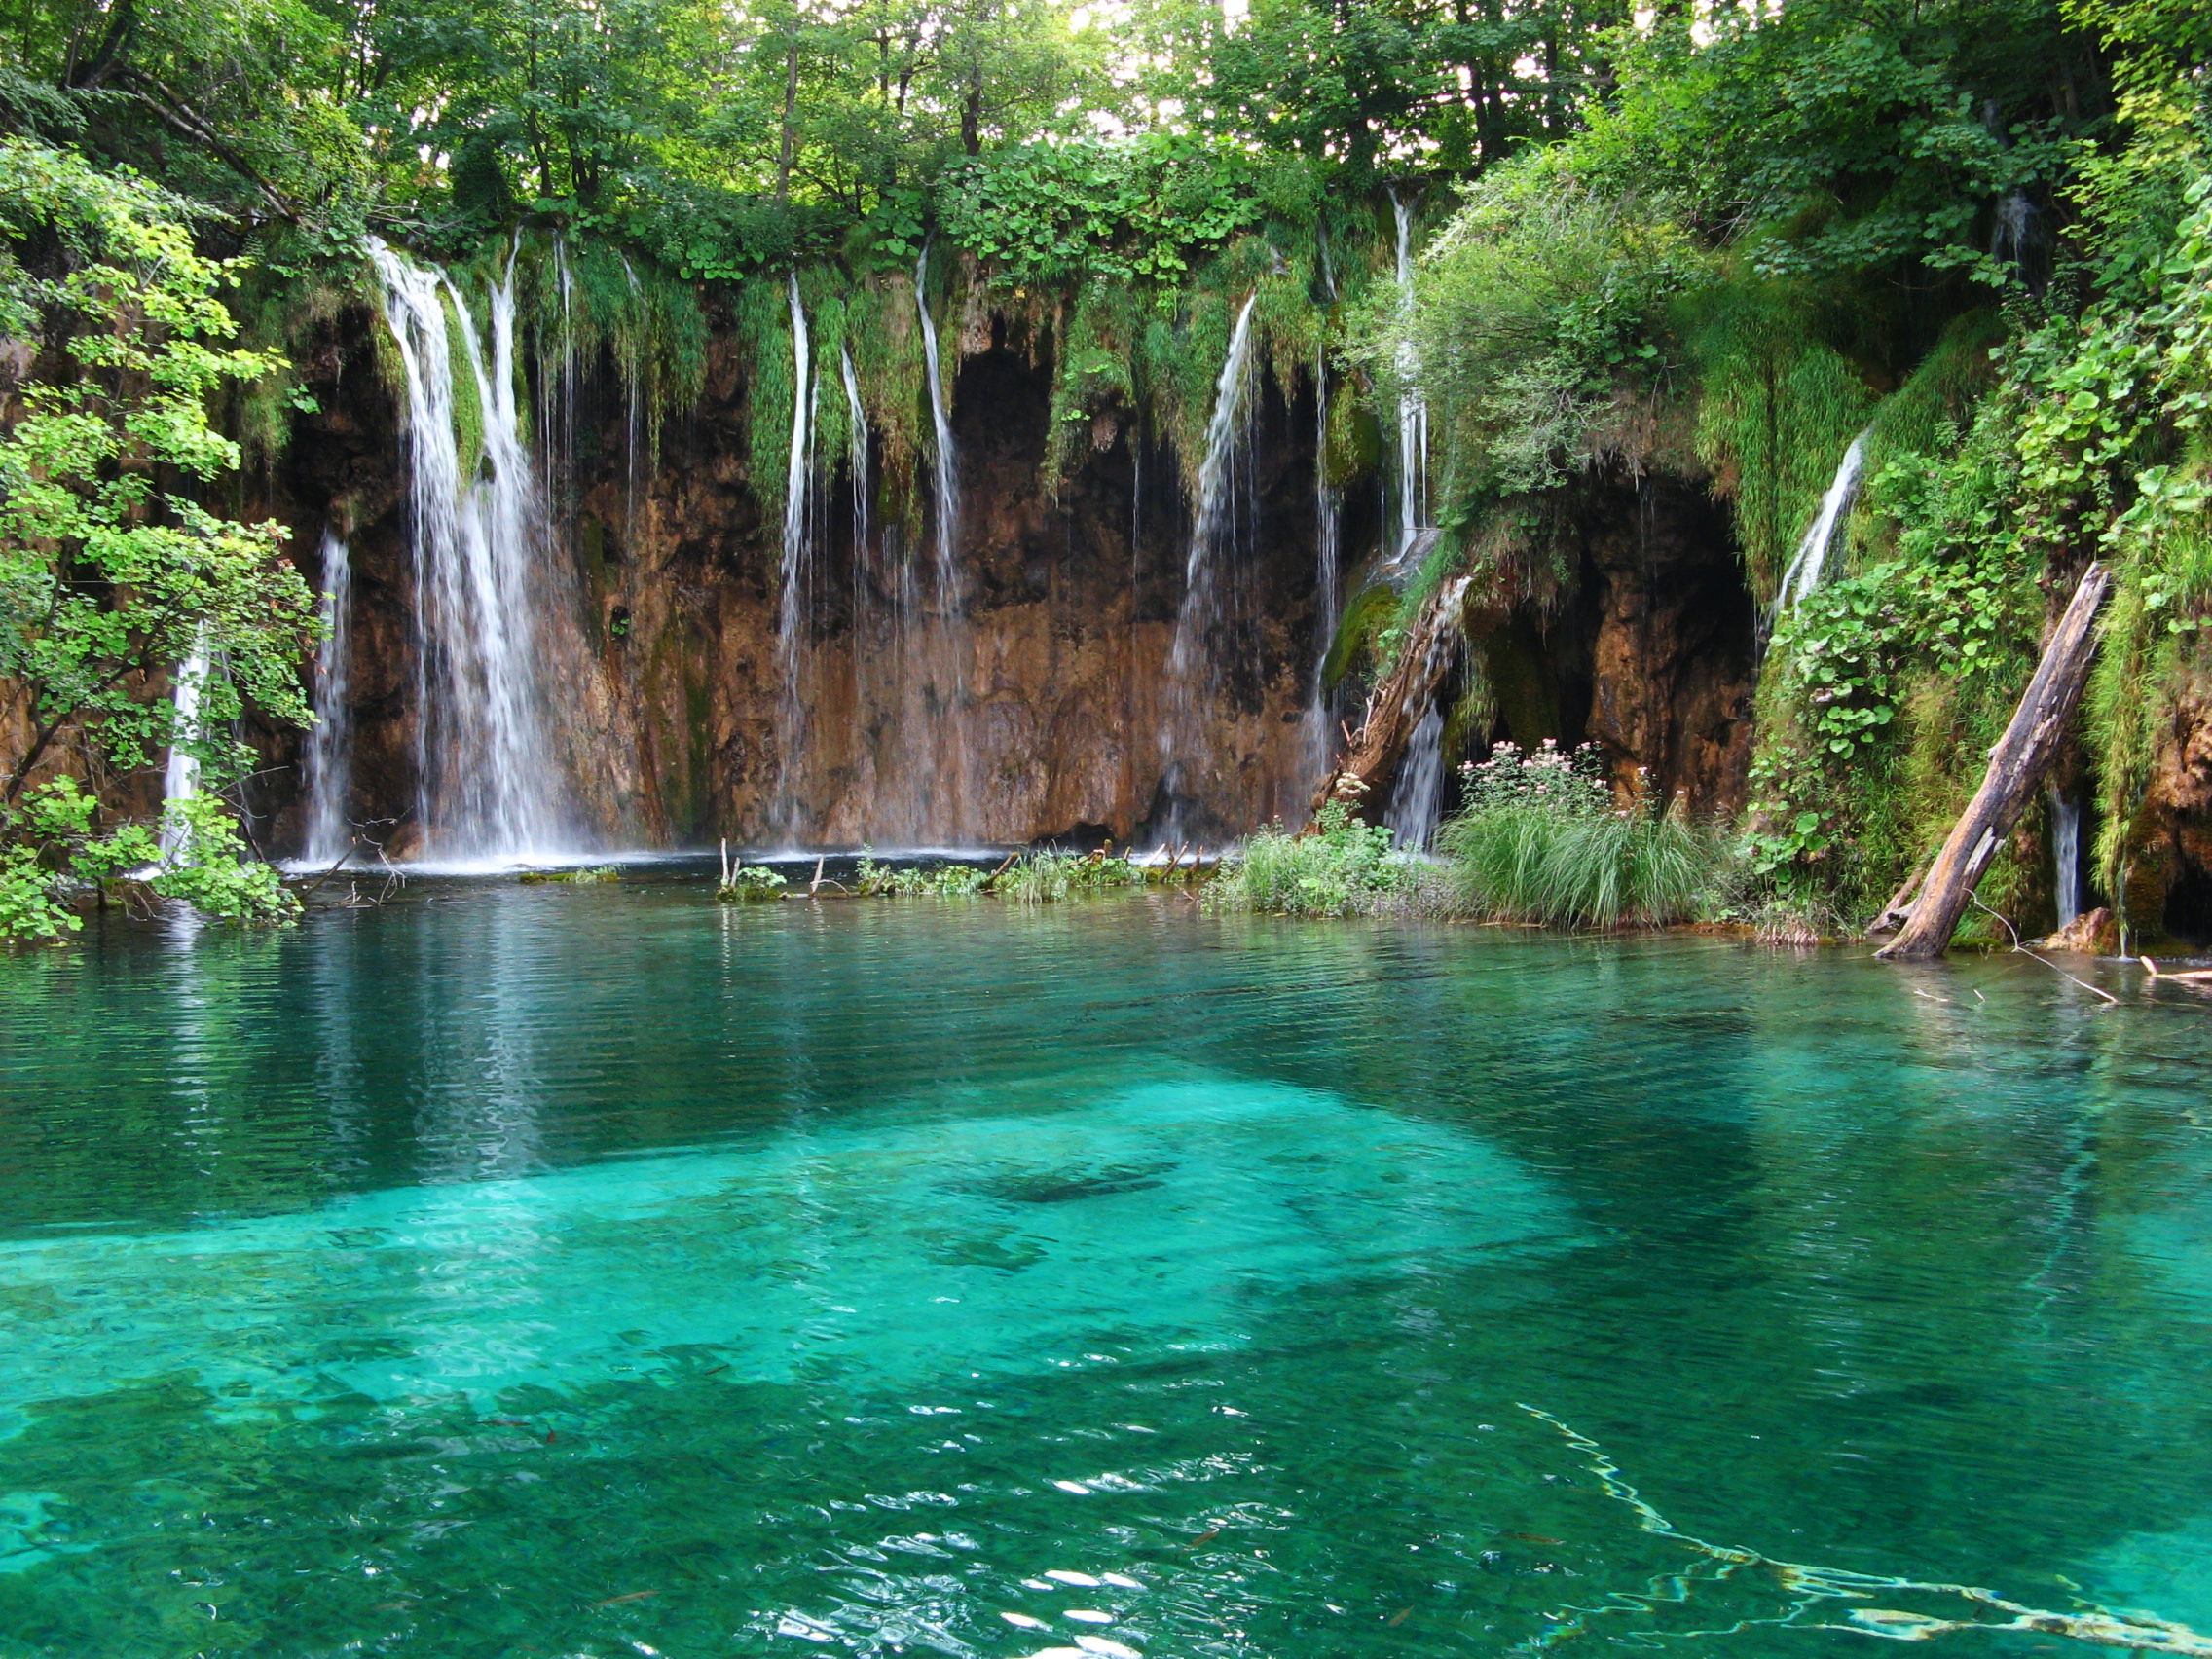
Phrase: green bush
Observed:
(1338, 867)
(1540, 841)
(747, 882)
(571, 878)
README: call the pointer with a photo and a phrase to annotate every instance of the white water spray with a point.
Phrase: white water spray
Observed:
(180, 778)
(1328, 530)
(1417, 798)
(1216, 514)
(2066, 856)
(329, 750)
(855, 414)
(1810, 561)
(1413, 408)
(945, 474)
(488, 787)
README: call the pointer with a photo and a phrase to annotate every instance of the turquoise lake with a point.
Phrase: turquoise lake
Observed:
(598, 1270)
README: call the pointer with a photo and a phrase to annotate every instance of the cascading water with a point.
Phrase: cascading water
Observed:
(945, 470)
(329, 749)
(180, 778)
(797, 570)
(1810, 561)
(487, 787)
(2066, 856)
(1215, 524)
(1328, 525)
(855, 414)
(1417, 798)
(1192, 667)
(1411, 483)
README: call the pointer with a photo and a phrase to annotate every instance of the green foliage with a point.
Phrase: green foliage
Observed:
(1338, 867)
(747, 882)
(207, 866)
(1777, 408)
(1118, 211)
(588, 876)
(112, 571)
(1045, 877)
(917, 881)
(51, 851)
(1541, 841)
(1539, 302)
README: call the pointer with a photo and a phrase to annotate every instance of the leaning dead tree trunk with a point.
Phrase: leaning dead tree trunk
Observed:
(2017, 765)
(1405, 695)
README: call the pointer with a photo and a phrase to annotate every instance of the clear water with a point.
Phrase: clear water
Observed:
(597, 1270)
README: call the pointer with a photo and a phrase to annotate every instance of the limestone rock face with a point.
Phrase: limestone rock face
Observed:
(1044, 703)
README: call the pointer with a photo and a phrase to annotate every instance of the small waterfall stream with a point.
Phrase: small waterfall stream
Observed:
(945, 467)
(1809, 563)
(328, 759)
(1412, 484)
(1328, 530)
(855, 413)
(2066, 856)
(1193, 670)
(489, 787)
(1417, 798)
(795, 572)
(180, 777)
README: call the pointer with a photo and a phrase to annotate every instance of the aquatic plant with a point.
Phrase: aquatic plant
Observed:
(572, 878)
(742, 883)
(1338, 867)
(1041, 877)
(1541, 840)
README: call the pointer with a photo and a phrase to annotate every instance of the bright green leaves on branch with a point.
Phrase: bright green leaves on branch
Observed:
(111, 571)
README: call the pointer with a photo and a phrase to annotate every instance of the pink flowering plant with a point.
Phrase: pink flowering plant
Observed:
(1569, 782)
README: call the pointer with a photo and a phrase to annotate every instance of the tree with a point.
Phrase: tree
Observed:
(112, 572)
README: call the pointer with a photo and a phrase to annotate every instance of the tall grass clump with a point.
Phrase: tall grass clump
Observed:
(1338, 867)
(1540, 841)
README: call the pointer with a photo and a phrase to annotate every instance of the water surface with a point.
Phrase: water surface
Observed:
(598, 1270)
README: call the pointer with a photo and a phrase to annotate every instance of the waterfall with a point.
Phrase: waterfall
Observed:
(945, 474)
(855, 413)
(329, 750)
(2066, 856)
(487, 780)
(1417, 798)
(1216, 499)
(180, 778)
(797, 570)
(1211, 537)
(1806, 564)
(796, 538)
(1413, 408)
(1328, 526)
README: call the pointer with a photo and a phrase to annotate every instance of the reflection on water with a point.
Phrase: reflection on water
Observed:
(601, 1271)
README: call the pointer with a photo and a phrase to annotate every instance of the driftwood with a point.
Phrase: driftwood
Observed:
(2017, 765)
(1406, 693)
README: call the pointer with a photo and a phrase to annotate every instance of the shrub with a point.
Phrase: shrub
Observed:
(1041, 877)
(1540, 841)
(746, 882)
(1339, 867)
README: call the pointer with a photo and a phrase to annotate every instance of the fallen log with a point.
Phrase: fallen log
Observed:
(1372, 754)
(2017, 765)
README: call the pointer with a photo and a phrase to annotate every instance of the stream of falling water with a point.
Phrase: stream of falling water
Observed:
(795, 573)
(945, 467)
(1192, 659)
(328, 760)
(1808, 564)
(1413, 408)
(2066, 856)
(180, 777)
(1328, 526)
(487, 786)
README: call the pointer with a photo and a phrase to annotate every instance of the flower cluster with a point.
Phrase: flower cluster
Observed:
(1569, 783)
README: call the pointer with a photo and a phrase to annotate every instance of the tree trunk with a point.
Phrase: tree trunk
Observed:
(1406, 694)
(2017, 765)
